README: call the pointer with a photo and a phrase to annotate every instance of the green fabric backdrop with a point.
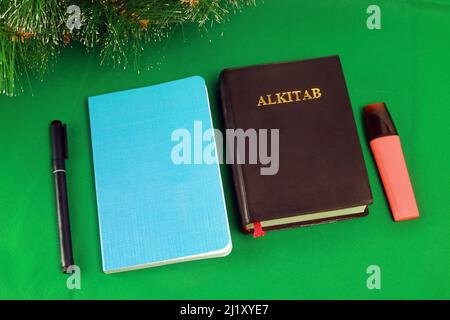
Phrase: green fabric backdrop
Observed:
(406, 64)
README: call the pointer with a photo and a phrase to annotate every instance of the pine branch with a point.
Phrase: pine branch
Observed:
(32, 31)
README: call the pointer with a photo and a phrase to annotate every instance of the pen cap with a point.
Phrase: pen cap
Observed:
(378, 122)
(58, 140)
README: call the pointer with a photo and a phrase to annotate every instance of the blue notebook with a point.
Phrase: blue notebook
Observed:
(152, 210)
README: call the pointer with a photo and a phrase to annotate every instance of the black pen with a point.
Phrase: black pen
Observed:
(58, 133)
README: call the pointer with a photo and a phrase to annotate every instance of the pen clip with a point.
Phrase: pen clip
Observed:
(66, 145)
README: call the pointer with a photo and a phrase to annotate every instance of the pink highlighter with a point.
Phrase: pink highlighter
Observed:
(387, 150)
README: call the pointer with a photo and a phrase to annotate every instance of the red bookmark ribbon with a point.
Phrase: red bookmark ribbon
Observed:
(258, 230)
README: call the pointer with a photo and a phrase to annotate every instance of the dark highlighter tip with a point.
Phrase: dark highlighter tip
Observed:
(378, 122)
(374, 106)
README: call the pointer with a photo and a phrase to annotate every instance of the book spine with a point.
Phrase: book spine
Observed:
(238, 177)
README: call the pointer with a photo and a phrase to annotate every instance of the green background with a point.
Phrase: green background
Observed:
(406, 64)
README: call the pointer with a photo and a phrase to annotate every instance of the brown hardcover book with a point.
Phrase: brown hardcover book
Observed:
(320, 174)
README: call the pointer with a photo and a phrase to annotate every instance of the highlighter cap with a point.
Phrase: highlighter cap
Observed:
(378, 122)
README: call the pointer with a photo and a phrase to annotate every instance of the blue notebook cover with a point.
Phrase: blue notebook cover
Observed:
(152, 211)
